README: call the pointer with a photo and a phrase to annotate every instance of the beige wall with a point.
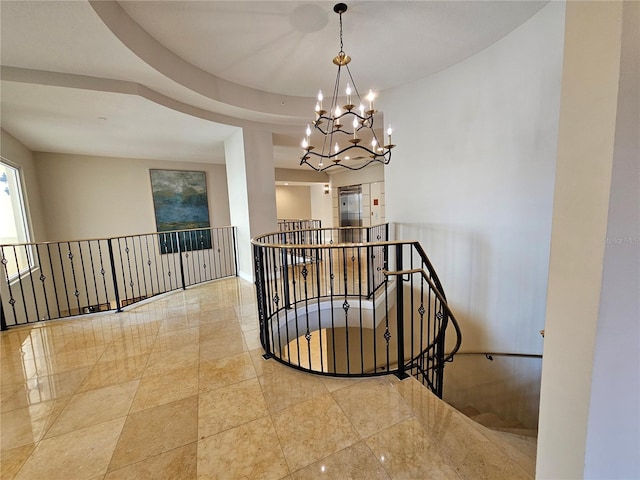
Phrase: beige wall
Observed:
(297, 175)
(343, 178)
(293, 202)
(89, 197)
(78, 197)
(321, 205)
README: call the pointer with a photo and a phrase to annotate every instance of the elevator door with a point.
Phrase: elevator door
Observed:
(351, 212)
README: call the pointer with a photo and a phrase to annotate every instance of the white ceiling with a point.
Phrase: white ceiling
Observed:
(170, 77)
(87, 122)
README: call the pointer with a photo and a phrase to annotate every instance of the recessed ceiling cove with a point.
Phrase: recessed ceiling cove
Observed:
(281, 47)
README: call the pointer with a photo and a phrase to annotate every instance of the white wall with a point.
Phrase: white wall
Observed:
(293, 202)
(251, 180)
(472, 179)
(98, 197)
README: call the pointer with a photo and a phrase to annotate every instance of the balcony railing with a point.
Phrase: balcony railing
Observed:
(44, 281)
(350, 302)
(285, 225)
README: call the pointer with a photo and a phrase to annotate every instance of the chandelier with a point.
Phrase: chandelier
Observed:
(344, 133)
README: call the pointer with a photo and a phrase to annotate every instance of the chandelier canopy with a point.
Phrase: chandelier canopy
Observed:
(344, 135)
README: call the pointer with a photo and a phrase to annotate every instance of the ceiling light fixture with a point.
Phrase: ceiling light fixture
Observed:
(347, 126)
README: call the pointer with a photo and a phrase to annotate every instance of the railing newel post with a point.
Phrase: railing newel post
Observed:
(184, 286)
(319, 240)
(385, 249)
(114, 275)
(260, 282)
(370, 266)
(3, 320)
(285, 273)
(235, 249)
(440, 353)
(400, 314)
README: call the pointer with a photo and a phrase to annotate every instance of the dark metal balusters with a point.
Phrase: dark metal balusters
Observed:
(308, 283)
(44, 281)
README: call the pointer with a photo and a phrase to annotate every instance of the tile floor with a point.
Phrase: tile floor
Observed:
(176, 388)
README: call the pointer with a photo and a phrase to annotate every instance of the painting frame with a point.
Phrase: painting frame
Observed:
(181, 202)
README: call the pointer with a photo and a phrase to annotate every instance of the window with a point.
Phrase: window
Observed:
(13, 223)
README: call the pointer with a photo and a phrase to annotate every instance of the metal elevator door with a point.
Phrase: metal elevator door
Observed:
(350, 199)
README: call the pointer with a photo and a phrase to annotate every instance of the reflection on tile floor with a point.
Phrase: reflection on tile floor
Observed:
(176, 388)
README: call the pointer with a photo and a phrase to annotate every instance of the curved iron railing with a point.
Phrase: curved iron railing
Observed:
(422, 365)
(287, 224)
(49, 280)
(332, 306)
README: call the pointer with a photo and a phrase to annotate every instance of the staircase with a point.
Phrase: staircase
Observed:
(514, 439)
(375, 308)
(476, 450)
(494, 422)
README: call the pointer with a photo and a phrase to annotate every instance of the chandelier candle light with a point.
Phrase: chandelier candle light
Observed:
(345, 130)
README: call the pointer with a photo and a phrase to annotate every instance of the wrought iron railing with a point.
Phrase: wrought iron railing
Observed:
(335, 307)
(285, 224)
(44, 281)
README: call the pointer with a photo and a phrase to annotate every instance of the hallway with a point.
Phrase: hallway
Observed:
(177, 388)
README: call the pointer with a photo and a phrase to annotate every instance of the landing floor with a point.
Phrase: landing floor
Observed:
(177, 388)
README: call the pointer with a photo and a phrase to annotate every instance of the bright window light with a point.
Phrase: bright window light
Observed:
(13, 222)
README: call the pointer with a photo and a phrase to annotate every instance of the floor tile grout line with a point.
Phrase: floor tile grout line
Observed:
(149, 458)
(139, 380)
(65, 433)
(26, 459)
(270, 413)
(275, 430)
(376, 457)
(439, 447)
(198, 403)
(66, 403)
(236, 425)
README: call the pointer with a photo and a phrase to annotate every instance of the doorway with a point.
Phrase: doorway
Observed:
(350, 211)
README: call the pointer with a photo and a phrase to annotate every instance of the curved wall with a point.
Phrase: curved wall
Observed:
(473, 177)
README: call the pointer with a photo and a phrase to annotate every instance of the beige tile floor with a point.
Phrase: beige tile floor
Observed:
(177, 389)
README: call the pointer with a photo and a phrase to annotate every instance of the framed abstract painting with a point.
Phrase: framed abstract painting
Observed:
(180, 203)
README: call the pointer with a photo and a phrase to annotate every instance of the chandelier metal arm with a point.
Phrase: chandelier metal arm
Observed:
(362, 121)
(343, 165)
(346, 149)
